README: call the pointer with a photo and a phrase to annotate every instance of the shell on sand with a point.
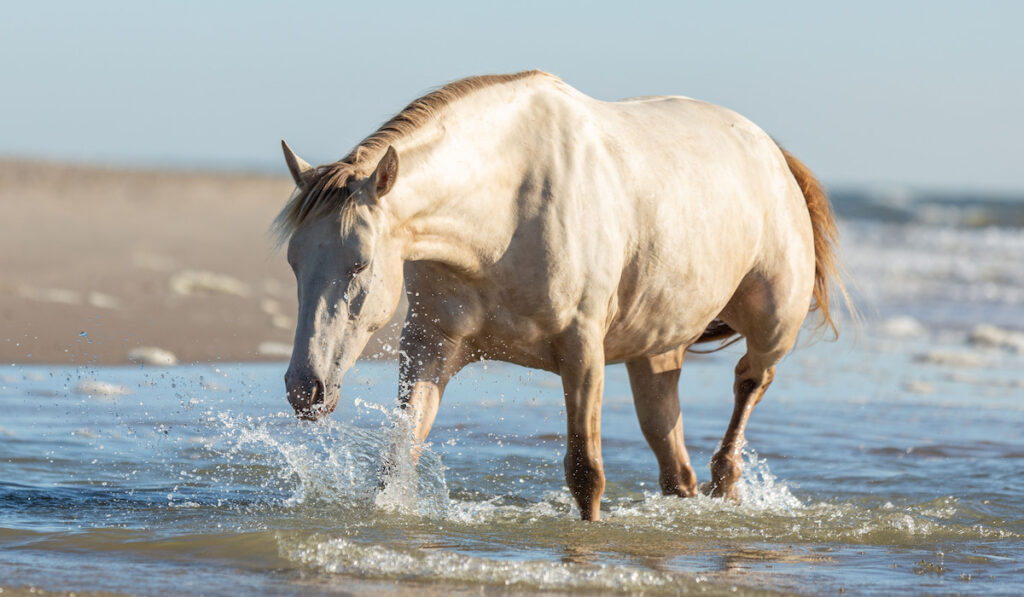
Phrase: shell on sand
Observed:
(282, 322)
(189, 282)
(275, 349)
(102, 300)
(151, 355)
(51, 295)
(94, 387)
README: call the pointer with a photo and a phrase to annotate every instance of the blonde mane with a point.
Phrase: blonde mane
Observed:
(327, 190)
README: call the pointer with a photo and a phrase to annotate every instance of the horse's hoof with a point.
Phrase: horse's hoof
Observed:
(721, 491)
(680, 491)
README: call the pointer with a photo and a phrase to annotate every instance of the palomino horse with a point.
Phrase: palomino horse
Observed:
(533, 224)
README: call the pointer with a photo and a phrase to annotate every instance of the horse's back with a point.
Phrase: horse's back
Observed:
(711, 201)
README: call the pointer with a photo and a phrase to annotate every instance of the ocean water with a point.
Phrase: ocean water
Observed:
(890, 461)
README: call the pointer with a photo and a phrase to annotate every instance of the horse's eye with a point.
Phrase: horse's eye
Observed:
(355, 269)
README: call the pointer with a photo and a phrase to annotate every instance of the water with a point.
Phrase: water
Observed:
(887, 462)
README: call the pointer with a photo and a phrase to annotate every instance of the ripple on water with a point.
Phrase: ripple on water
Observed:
(418, 531)
(163, 478)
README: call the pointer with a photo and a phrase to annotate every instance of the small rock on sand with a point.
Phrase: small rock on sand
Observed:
(92, 387)
(270, 306)
(102, 300)
(151, 355)
(51, 295)
(189, 282)
(282, 322)
(995, 337)
(275, 349)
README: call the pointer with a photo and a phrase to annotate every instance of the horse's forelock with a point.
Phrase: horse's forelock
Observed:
(327, 192)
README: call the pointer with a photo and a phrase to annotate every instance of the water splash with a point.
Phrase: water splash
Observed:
(759, 489)
(338, 463)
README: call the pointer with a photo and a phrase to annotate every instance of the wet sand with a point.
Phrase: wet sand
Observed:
(97, 262)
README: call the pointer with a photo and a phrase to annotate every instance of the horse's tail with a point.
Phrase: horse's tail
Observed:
(826, 263)
(823, 225)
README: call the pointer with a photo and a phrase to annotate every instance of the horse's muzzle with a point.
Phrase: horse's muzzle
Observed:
(306, 395)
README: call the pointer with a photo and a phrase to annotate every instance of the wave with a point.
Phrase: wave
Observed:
(903, 206)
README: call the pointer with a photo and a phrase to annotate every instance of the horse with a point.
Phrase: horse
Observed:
(533, 224)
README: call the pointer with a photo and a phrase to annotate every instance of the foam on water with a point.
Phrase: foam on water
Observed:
(338, 465)
(342, 556)
(940, 275)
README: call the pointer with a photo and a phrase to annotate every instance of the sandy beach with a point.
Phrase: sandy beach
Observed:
(100, 264)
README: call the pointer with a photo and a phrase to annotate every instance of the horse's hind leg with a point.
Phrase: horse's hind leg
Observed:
(768, 315)
(753, 377)
(655, 385)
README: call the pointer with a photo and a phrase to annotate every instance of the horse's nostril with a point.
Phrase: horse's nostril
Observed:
(306, 395)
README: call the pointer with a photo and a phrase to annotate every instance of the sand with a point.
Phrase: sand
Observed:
(98, 264)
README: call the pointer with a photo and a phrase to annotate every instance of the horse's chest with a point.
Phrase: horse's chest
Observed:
(514, 324)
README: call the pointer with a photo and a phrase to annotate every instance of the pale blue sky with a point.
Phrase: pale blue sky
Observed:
(927, 94)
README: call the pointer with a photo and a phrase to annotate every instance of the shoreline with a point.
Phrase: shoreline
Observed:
(97, 262)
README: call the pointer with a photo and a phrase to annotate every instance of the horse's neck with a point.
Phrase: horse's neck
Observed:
(458, 180)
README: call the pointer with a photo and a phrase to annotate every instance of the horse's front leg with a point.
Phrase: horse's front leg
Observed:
(427, 360)
(581, 365)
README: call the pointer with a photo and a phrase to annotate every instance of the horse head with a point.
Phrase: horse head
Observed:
(348, 270)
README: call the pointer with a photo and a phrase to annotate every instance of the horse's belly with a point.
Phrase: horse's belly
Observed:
(663, 330)
(666, 311)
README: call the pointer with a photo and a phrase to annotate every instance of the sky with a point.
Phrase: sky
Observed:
(922, 94)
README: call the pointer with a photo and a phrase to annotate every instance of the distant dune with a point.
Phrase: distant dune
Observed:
(97, 264)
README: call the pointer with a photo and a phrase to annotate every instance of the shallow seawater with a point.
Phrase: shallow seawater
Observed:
(876, 470)
(888, 462)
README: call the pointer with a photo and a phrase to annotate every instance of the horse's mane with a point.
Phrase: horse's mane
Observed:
(327, 189)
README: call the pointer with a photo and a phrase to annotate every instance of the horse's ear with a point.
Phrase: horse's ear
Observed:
(301, 171)
(383, 178)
